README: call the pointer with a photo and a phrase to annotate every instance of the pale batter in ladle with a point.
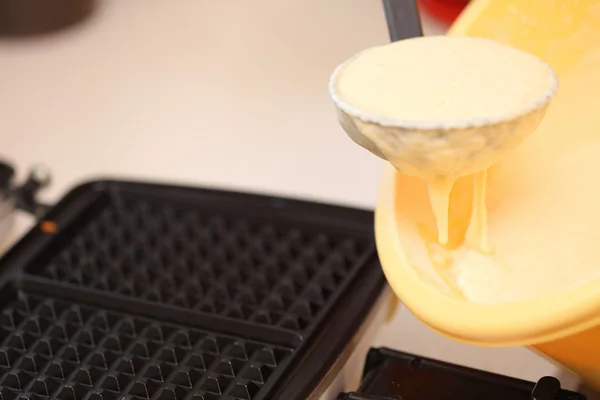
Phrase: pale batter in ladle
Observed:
(440, 108)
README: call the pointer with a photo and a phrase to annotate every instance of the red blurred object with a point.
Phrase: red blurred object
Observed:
(443, 10)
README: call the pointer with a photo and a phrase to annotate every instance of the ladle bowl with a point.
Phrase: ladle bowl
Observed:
(432, 149)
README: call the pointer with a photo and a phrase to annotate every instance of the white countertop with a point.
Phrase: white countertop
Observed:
(215, 93)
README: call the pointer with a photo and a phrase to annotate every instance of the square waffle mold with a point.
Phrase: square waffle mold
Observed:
(140, 291)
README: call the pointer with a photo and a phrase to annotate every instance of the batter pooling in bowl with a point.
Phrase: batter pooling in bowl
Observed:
(440, 108)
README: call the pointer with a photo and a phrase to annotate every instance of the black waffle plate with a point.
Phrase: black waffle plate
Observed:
(131, 290)
(393, 375)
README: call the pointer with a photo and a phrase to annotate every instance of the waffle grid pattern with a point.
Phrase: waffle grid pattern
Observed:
(53, 349)
(178, 256)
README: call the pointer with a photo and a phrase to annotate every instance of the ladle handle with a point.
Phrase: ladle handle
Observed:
(403, 19)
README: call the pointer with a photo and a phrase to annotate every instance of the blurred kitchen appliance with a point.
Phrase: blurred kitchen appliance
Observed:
(390, 375)
(22, 197)
(30, 17)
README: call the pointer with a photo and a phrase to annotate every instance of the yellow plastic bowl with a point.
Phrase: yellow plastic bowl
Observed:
(565, 327)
